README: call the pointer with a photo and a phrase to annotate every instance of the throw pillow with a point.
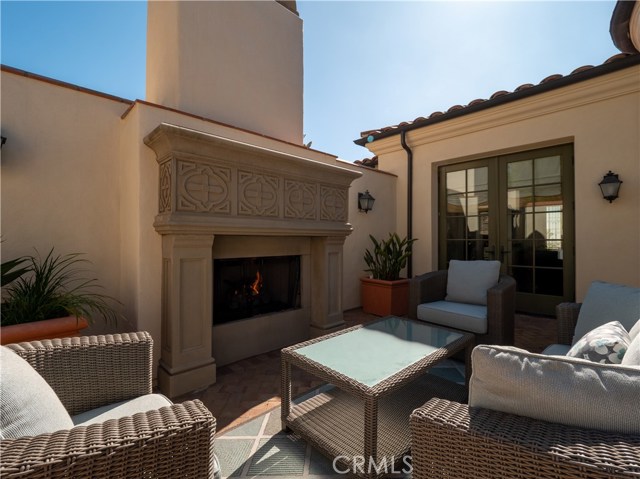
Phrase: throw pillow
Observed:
(605, 344)
(569, 391)
(28, 405)
(468, 281)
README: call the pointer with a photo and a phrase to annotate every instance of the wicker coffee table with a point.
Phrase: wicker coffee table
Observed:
(379, 373)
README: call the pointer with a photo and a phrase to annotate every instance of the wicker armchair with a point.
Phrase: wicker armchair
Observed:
(93, 371)
(566, 320)
(602, 303)
(452, 440)
(432, 287)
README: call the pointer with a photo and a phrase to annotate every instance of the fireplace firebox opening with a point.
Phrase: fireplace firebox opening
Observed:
(247, 287)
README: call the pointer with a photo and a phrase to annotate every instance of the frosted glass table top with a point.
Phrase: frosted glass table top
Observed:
(379, 350)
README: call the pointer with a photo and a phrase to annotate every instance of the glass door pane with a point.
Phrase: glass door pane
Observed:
(536, 189)
(464, 219)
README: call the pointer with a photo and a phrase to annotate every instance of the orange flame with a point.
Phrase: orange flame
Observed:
(257, 284)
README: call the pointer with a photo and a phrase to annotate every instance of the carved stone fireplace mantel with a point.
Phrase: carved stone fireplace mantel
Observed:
(213, 186)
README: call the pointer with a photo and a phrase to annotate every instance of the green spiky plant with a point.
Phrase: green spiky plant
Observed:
(56, 287)
(11, 272)
(389, 257)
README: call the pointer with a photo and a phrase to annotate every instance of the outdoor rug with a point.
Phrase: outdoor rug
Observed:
(260, 448)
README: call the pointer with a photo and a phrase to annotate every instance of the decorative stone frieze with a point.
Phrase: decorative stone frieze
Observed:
(300, 200)
(258, 194)
(334, 204)
(215, 183)
(165, 187)
(202, 188)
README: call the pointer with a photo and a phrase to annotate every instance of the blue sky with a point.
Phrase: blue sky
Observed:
(367, 64)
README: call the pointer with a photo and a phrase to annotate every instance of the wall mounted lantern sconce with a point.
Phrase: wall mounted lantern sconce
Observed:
(365, 201)
(3, 140)
(610, 186)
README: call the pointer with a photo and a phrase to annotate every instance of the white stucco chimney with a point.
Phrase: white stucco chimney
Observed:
(237, 62)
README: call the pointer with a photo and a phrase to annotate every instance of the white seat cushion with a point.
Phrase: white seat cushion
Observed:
(28, 405)
(117, 410)
(467, 317)
(145, 403)
(468, 281)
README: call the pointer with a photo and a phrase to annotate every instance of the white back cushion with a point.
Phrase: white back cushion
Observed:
(605, 302)
(28, 405)
(635, 331)
(632, 356)
(468, 281)
(569, 391)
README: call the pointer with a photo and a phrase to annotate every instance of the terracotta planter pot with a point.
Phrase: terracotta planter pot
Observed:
(385, 298)
(47, 329)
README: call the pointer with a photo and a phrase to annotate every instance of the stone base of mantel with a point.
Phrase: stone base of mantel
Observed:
(316, 331)
(179, 383)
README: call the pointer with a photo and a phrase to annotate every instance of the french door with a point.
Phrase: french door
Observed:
(517, 209)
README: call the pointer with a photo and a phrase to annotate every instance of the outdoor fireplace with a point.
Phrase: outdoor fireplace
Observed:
(247, 287)
(221, 199)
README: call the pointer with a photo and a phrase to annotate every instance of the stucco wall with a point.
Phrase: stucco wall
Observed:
(60, 175)
(237, 62)
(601, 117)
(379, 222)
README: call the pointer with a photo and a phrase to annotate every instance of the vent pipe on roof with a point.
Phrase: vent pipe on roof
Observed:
(403, 142)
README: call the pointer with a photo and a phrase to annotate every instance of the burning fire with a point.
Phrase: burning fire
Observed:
(256, 286)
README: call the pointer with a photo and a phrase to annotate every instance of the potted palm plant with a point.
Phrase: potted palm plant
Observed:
(49, 298)
(384, 293)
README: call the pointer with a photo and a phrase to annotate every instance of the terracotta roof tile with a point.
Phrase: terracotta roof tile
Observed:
(583, 68)
(557, 76)
(619, 56)
(524, 86)
(502, 93)
(368, 162)
(498, 93)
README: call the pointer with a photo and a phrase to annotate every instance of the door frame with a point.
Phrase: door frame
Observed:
(498, 219)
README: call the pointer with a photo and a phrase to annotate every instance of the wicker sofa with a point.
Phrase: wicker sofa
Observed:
(94, 371)
(454, 440)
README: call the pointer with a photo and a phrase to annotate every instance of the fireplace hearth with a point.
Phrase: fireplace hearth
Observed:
(248, 287)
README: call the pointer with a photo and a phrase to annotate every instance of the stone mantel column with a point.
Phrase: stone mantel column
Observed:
(186, 362)
(326, 271)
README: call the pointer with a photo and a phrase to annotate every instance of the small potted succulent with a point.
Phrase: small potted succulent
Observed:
(384, 292)
(50, 297)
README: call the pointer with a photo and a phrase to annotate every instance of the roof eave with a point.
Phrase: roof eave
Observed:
(567, 80)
